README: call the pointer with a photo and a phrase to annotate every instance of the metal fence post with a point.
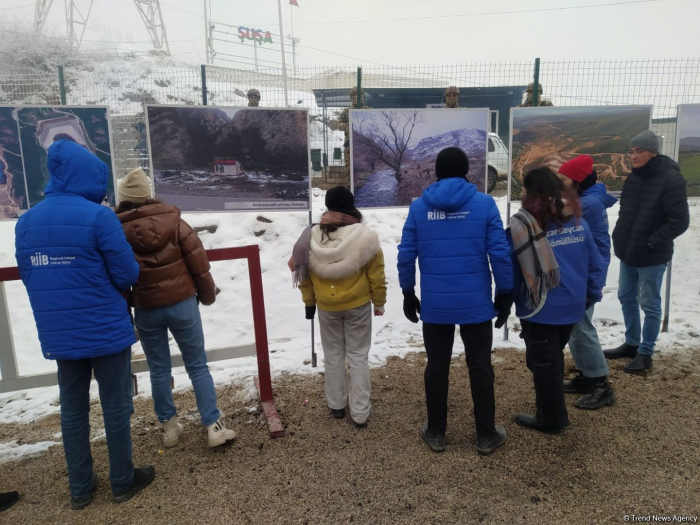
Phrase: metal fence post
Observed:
(360, 98)
(667, 301)
(62, 85)
(536, 85)
(204, 84)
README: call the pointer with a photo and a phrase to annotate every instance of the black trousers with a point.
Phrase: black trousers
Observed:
(544, 353)
(477, 338)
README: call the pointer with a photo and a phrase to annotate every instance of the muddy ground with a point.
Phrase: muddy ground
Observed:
(639, 457)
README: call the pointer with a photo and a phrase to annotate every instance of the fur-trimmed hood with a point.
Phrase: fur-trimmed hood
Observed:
(349, 249)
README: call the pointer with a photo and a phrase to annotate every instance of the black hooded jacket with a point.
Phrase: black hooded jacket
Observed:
(653, 212)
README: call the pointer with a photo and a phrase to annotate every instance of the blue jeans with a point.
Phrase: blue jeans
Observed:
(641, 287)
(585, 348)
(113, 375)
(185, 324)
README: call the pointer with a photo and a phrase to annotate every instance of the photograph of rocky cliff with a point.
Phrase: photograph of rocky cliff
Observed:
(393, 151)
(218, 158)
(689, 146)
(549, 136)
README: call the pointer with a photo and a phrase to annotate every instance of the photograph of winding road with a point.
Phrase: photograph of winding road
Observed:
(549, 136)
(393, 151)
(689, 146)
(27, 132)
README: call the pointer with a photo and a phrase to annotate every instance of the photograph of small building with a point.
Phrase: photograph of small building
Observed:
(227, 167)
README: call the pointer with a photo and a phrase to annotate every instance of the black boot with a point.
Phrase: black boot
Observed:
(579, 385)
(84, 501)
(486, 445)
(142, 479)
(533, 423)
(7, 499)
(436, 442)
(338, 413)
(639, 365)
(622, 351)
(600, 396)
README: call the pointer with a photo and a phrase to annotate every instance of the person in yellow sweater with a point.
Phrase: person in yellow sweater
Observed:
(339, 266)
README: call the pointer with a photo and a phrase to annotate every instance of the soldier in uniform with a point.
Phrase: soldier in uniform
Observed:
(344, 125)
(452, 97)
(540, 101)
(253, 98)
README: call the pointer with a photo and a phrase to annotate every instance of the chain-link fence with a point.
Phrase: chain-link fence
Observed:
(325, 92)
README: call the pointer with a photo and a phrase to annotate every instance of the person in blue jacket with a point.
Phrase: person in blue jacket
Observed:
(75, 261)
(558, 276)
(457, 236)
(592, 378)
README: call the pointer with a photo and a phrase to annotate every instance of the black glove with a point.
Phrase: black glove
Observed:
(503, 303)
(411, 305)
(310, 312)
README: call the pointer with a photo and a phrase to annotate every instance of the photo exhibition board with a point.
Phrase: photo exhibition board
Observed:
(393, 151)
(27, 132)
(550, 136)
(688, 146)
(213, 159)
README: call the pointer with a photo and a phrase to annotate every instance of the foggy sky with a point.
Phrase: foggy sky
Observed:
(663, 29)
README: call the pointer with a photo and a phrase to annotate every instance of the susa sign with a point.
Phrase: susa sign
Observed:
(254, 34)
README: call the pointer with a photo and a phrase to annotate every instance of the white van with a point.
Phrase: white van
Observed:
(498, 161)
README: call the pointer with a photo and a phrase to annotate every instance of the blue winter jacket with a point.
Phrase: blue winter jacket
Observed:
(595, 202)
(74, 259)
(581, 276)
(455, 232)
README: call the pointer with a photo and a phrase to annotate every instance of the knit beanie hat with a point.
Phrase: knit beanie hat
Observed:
(340, 199)
(135, 187)
(578, 168)
(646, 140)
(451, 162)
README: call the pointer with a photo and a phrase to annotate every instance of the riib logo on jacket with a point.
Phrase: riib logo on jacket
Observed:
(439, 215)
(39, 259)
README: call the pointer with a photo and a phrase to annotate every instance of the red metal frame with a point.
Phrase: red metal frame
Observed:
(263, 383)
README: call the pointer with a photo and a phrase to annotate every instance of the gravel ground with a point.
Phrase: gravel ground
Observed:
(638, 457)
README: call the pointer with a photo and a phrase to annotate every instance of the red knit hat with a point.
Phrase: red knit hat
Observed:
(577, 169)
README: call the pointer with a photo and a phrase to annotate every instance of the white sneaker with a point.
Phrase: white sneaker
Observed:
(172, 428)
(219, 434)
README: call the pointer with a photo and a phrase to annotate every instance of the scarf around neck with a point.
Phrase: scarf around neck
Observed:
(535, 256)
(299, 261)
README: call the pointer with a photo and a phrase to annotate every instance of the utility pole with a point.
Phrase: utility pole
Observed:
(284, 61)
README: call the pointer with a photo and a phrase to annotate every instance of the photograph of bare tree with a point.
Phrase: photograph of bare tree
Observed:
(393, 151)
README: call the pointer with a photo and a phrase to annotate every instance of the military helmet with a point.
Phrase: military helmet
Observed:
(353, 91)
(253, 92)
(452, 90)
(531, 87)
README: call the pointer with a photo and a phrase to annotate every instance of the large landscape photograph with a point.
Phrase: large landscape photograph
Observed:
(215, 159)
(393, 151)
(549, 136)
(27, 132)
(689, 146)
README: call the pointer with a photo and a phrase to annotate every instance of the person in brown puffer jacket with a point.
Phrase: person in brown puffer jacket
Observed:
(174, 278)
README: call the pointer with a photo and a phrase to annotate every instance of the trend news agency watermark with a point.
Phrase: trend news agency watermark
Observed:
(659, 518)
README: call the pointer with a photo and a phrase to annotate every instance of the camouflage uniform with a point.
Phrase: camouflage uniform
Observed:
(540, 101)
(253, 102)
(452, 97)
(344, 125)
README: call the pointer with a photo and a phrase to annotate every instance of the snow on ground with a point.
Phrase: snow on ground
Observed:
(229, 321)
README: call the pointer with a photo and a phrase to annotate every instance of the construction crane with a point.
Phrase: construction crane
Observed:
(77, 20)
